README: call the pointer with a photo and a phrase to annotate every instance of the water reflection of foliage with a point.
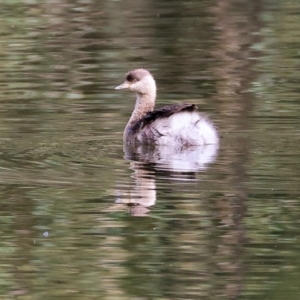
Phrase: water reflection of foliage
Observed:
(58, 58)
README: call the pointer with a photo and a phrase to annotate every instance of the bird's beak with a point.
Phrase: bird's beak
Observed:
(124, 85)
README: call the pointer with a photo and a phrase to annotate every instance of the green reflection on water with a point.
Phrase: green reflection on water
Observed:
(229, 231)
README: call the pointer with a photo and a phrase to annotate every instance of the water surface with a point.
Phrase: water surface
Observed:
(83, 218)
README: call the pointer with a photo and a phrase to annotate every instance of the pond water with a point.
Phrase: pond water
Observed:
(83, 218)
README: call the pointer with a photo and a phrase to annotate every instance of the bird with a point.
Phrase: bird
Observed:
(173, 125)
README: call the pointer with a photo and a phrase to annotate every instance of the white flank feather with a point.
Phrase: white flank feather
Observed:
(184, 128)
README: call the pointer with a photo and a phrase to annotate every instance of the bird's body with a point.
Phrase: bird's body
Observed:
(173, 125)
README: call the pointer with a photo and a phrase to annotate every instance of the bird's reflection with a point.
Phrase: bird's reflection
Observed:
(167, 162)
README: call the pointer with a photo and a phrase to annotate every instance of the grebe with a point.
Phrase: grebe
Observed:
(173, 125)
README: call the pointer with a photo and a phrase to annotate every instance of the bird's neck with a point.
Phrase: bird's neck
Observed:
(144, 104)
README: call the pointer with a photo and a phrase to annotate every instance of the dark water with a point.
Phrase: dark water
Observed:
(81, 218)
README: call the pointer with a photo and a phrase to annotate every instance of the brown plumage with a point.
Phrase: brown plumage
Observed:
(174, 124)
(164, 112)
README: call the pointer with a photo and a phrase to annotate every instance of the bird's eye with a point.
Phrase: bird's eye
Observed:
(129, 78)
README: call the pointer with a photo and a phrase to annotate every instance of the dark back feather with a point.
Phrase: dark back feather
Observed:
(161, 113)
